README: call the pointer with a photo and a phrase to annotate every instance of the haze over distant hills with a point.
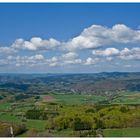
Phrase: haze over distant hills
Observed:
(88, 83)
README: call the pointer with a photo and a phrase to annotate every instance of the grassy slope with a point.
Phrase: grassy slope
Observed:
(11, 116)
(4, 106)
(128, 98)
(38, 124)
(74, 99)
(124, 132)
(78, 99)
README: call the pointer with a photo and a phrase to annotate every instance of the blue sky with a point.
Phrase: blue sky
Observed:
(69, 37)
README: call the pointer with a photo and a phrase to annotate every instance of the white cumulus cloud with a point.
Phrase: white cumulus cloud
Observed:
(7, 50)
(35, 43)
(106, 52)
(97, 36)
(91, 61)
(104, 43)
(70, 55)
(130, 54)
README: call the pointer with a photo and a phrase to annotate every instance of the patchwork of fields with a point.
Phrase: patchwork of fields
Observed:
(57, 105)
(128, 98)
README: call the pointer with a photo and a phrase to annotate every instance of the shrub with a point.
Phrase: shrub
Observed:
(85, 133)
(36, 114)
(37, 97)
(32, 133)
(124, 109)
(99, 124)
(19, 129)
(50, 124)
(1, 97)
(5, 129)
(90, 110)
(33, 114)
(80, 124)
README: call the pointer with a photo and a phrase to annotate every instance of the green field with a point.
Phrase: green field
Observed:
(128, 98)
(124, 132)
(77, 99)
(37, 124)
(9, 117)
(123, 98)
(4, 106)
(63, 109)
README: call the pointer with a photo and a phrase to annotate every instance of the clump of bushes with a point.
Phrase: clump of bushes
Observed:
(124, 109)
(85, 133)
(1, 97)
(36, 114)
(6, 132)
(37, 97)
(91, 110)
(116, 116)
(81, 124)
(74, 122)
(22, 97)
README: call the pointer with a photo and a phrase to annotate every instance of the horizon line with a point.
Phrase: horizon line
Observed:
(70, 72)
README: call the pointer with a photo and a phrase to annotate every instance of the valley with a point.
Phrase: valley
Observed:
(72, 105)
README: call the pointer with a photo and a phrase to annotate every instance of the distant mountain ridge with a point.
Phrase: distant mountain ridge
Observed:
(86, 83)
